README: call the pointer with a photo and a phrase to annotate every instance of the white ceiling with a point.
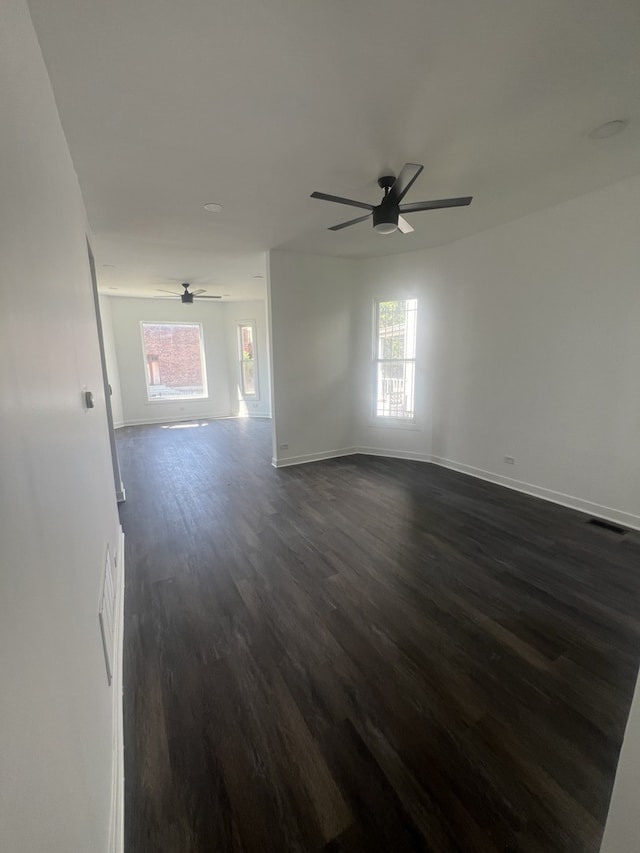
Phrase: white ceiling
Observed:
(253, 104)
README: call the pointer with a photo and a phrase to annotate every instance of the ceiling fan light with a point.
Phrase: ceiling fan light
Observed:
(385, 227)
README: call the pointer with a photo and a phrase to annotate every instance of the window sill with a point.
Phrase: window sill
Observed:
(176, 400)
(394, 423)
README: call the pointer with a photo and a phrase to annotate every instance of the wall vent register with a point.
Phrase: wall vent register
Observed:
(608, 525)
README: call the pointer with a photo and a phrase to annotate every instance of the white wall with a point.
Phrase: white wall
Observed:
(312, 317)
(57, 503)
(533, 351)
(126, 316)
(111, 360)
(528, 347)
(235, 313)
(622, 831)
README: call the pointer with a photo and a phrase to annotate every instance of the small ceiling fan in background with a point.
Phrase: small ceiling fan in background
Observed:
(187, 295)
(387, 216)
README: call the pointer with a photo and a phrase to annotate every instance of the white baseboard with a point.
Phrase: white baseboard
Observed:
(617, 516)
(393, 454)
(257, 413)
(116, 832)
(313, 457)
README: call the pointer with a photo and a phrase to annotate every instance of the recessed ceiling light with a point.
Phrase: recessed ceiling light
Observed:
(113, 288)
(212, 207)
(109, 266)
(258, 276)
(609, 128)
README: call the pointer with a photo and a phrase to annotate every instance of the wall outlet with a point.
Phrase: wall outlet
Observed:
(510, 460)
(283, 446)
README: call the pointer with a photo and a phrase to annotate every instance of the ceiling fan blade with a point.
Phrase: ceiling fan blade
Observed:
(404, 182)
(208, 297)
(172, 292)
(404, 226)
(339, 200)
(350, 222)
(198, 292)
(436, 205)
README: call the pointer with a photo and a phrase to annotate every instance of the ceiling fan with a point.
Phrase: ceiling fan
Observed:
(387, 216)
(187, 295)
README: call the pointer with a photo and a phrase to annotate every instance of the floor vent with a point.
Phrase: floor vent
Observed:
(608, 525)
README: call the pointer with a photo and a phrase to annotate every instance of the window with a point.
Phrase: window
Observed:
(248, 359)
(395, 358)
(174, 361)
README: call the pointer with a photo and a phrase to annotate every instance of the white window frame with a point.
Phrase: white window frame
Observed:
(382, 419)
(205, 388)
(254, 341)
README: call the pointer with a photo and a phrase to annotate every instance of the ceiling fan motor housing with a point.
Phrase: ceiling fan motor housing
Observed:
(385, 218)
(187, 297)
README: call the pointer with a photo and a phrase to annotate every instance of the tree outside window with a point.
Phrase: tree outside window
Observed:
(248, 359)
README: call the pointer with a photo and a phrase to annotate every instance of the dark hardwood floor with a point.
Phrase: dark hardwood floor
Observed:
(364, 654)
